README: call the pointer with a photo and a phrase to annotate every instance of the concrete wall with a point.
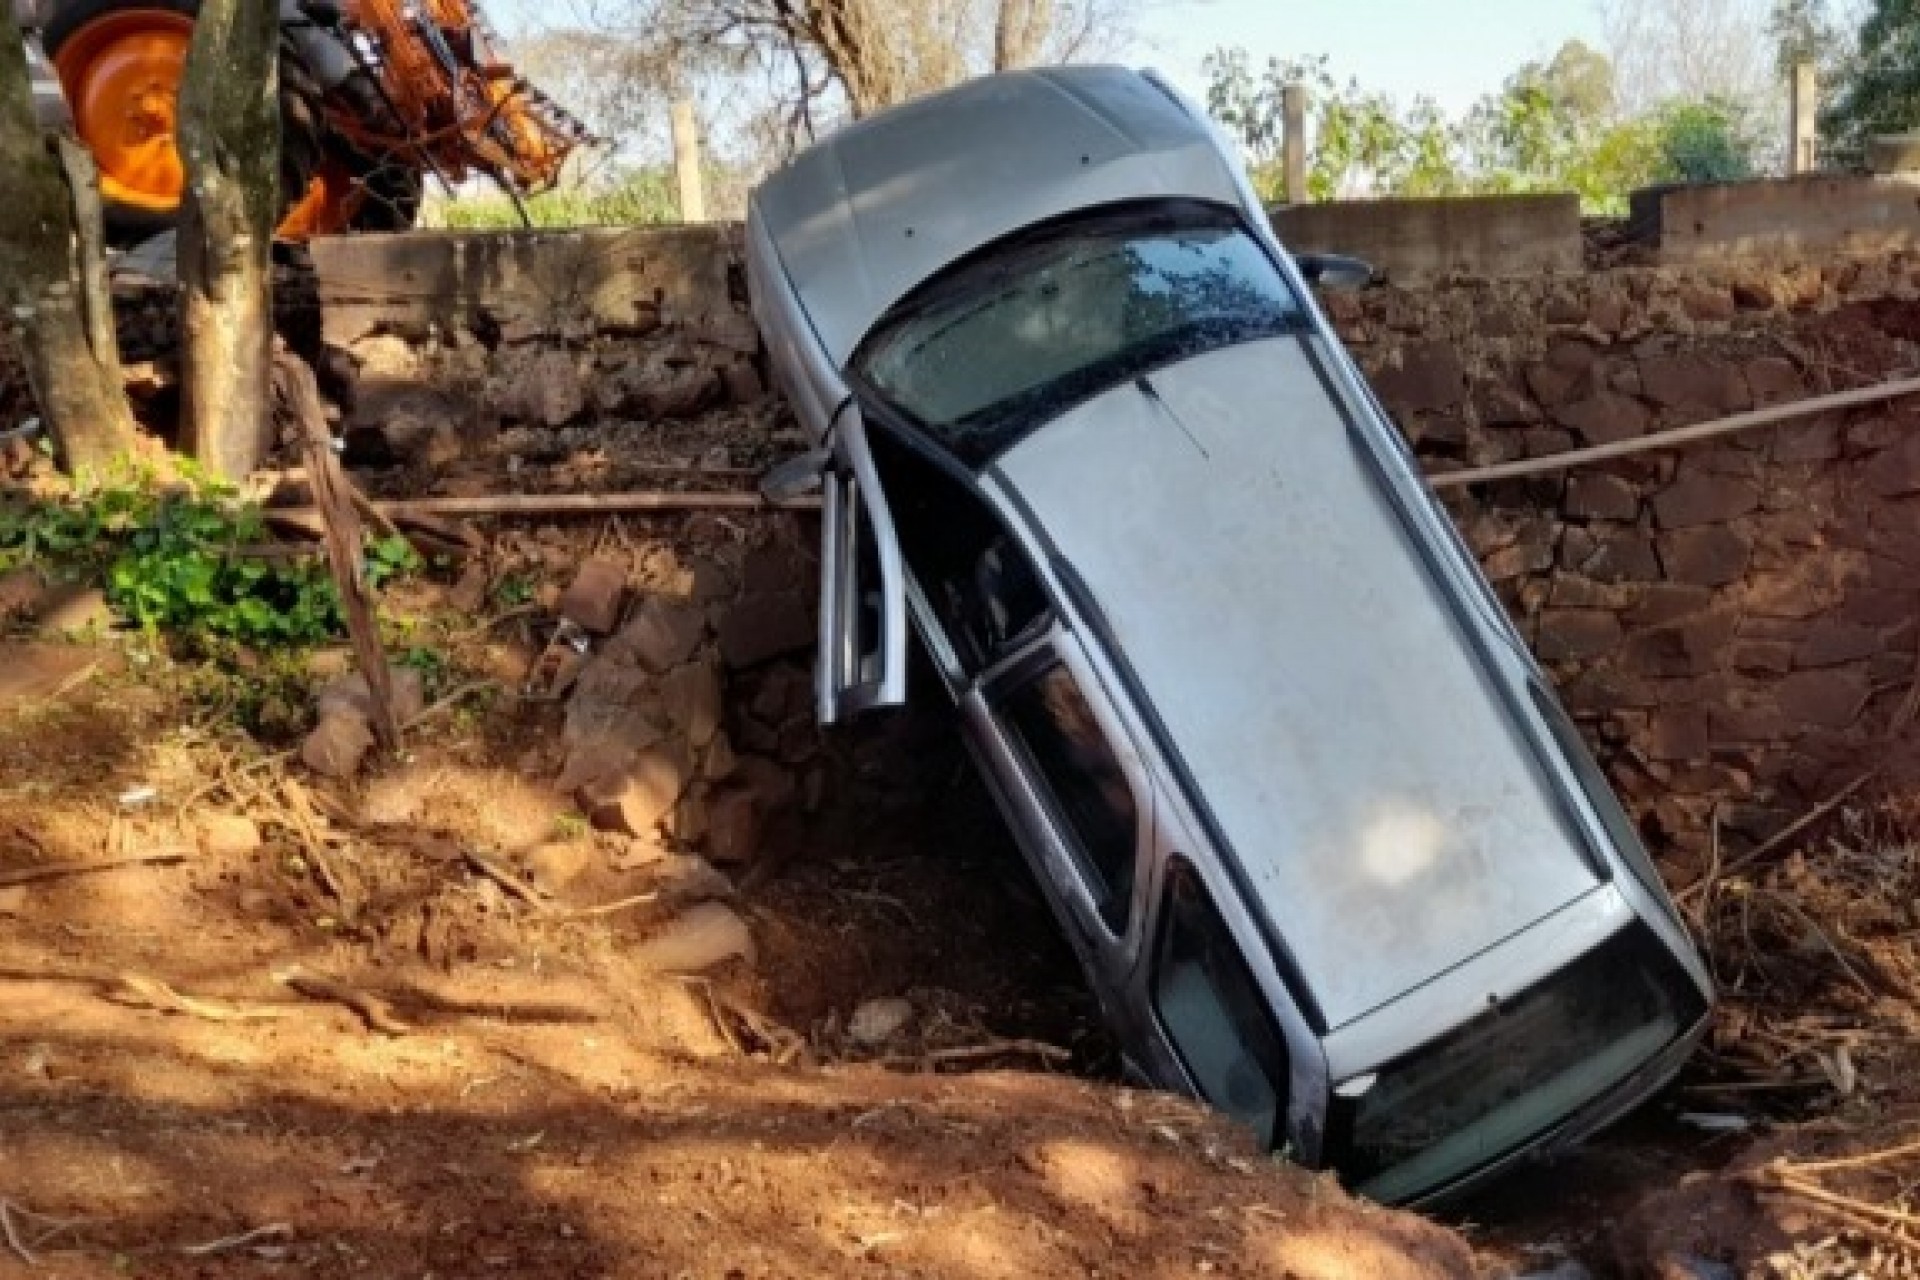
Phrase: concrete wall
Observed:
(600, 279)
(1412, 241)
(1734, 625)
(1793, 217)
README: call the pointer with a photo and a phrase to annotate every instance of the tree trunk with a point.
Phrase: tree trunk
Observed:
(1020, 29)
(53, 275)
(230, 148)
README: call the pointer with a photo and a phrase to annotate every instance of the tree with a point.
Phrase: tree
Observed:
(53, 275)
(1877, 82)
(230, 150)
(1705, 142)
(1698, 51)
(864, 55)
(1362, 143)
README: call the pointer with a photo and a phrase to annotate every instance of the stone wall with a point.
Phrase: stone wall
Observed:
(1733, 624)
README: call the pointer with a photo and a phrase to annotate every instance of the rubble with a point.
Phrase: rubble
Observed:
(702, 938)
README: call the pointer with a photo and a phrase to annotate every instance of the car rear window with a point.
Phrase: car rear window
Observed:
(1034, 324)
(1513, 1073)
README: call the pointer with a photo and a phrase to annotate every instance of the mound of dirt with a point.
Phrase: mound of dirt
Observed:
(214, 1067)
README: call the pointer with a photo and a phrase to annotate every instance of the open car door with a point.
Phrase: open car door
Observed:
(862, 661)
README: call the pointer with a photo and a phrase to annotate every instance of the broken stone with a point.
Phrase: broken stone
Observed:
(1576, 633)
(1593, 496)
(701, 938)
(733, 827)
(338, 743)
(743, 383)
(1774, 380)
(1694, 384)
(1895, 472)
(661, 635)
(1626, 558)
(469, 594)
(638, 796)
(20, 594)
(227, 835)
(350, 693)
(1829, 699)
(555, 865)
(1429, 379)
(1604, 417)
(549, 390)
(874, 1022)
(720, 761)
(594, 597)
(1704, 499)
(71, 609)
(392, 799)
(1710, 556)
(690, 695)
(760, 628)
(1833, 643)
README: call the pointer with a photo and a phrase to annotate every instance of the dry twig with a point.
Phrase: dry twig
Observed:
(56, 870)
(140, 991)
(377, 1013)
(512, 883)
(272, 1231)
(1792, 830)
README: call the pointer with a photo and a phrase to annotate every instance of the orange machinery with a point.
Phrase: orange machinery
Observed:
(375, 95)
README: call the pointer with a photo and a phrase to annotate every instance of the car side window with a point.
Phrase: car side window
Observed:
(1083, 783)
(975, 575)
(1213, 1011)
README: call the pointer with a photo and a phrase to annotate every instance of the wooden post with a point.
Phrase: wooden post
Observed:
(1293, 142)
(686, 162)
(333, 495)
(1803, 139)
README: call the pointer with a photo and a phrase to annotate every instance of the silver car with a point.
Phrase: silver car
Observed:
(1331, 854)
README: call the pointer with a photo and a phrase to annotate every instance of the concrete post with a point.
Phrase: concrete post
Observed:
(1293, 142)
(1803, 138)
(686, 163)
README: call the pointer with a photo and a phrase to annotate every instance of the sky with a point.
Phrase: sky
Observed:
(1452, 50)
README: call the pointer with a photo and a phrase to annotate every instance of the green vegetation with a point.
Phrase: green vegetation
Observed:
(643, 198)
(1554, 126)
(188, 559)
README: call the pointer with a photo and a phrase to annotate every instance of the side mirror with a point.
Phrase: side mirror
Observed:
(793, 479)
(1334, 271)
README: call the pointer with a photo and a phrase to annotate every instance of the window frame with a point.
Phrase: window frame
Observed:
(1279, 1075)
(1024, 423)
(1023, 671)
(965, 669)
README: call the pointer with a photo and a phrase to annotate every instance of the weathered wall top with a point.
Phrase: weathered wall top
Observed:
(1412, 241)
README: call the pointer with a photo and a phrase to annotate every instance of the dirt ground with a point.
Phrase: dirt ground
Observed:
(327, 1040)
(488, 1087)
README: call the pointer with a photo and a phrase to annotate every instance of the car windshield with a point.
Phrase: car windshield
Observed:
(1516, 1071)
(1014, 335)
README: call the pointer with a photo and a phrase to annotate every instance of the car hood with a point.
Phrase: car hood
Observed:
(1311, 675)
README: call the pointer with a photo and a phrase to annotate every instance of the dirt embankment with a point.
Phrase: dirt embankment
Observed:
(413, 1021)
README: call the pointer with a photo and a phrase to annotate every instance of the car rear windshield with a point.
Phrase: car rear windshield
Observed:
(1036, 323)
(1515, 1072)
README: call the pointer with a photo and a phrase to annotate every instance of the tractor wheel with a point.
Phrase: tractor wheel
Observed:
(120, 64)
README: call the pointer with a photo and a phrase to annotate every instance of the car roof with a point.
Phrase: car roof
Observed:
(1312, 681)
(864, 216)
